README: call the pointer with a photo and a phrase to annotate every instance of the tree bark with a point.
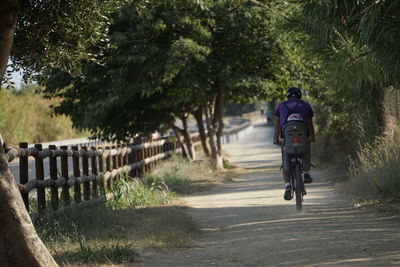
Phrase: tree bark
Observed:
(198, 115)
(178, 138)
(187, 140)
(219, 107)
(218, 117)
(8, 22)
(212, 127)
(19, 243)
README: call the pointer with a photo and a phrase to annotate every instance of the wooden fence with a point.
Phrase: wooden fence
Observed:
(93, 170)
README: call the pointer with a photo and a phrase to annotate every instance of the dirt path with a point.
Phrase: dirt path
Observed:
(247, 222)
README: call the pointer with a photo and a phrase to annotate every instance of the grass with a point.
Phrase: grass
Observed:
(137, 217)
(374, 176)
(183, 177)
(100, 235)
(140, 215)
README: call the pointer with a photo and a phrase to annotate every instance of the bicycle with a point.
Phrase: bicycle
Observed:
(295, 145)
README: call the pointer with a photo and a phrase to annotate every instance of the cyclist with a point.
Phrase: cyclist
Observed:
(294, 109)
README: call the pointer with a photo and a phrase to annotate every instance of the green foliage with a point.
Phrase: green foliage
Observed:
(341, 36)
(130, 193)
(236, 109)
(26, 117)
(168, 58)
(60, 34)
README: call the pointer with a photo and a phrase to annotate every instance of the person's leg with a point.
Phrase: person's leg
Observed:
(307, 165)
(286, 175)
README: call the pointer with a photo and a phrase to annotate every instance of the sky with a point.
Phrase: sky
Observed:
(16, 77)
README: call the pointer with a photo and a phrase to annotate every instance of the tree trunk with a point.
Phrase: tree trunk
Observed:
(19, 243)
(212, 124)
(219, 108)
(178, 137)
(187, 141)
(218, 117)
(8, 21)
(198, 115)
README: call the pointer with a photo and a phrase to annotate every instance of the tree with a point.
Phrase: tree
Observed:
(192, 55)
(41, 42)
(355, 46)
(19, 243)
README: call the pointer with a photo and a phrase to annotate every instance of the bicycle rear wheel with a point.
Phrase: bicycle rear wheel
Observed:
(298, 187)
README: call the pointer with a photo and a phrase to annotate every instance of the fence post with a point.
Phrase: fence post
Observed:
(101, 169)
(53, 176)
(114, 163)
(85, 172)
(95, 188)
(77, 174)
(125, 157)
(108, 167)
(24, 174)
(134, 158)
(64, 173)
(143, 155)
(41, 193)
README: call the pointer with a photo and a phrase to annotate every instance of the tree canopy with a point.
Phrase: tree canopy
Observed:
(59, 34)
(168, 58)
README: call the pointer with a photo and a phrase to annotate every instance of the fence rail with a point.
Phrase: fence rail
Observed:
(93, 170)
(82, 174)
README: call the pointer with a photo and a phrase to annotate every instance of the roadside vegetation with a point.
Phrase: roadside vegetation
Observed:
(183, 177)
(28, 117)
(141, 214)
(374, 175)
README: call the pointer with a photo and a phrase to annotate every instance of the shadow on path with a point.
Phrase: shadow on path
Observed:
(247, 222)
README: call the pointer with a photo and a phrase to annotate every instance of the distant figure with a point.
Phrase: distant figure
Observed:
(269, 117)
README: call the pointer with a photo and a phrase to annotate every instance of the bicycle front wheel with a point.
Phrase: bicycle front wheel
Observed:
(299, 186)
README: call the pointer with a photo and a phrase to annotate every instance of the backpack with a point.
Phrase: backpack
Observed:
(294, 132)
(292, 116)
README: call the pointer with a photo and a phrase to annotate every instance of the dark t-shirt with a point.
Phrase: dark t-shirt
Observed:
(297, 106)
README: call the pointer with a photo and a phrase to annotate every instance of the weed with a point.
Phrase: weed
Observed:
(130, 193)
(227, 164)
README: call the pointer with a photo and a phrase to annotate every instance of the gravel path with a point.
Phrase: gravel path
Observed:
(248, 223)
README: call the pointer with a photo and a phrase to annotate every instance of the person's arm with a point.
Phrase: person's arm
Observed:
(312, 131)
(277, 131)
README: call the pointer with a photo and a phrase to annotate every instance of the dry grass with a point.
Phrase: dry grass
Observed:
(100, 235)
(184, 177)
(117, 231)
(27, 117)
(374, 175)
